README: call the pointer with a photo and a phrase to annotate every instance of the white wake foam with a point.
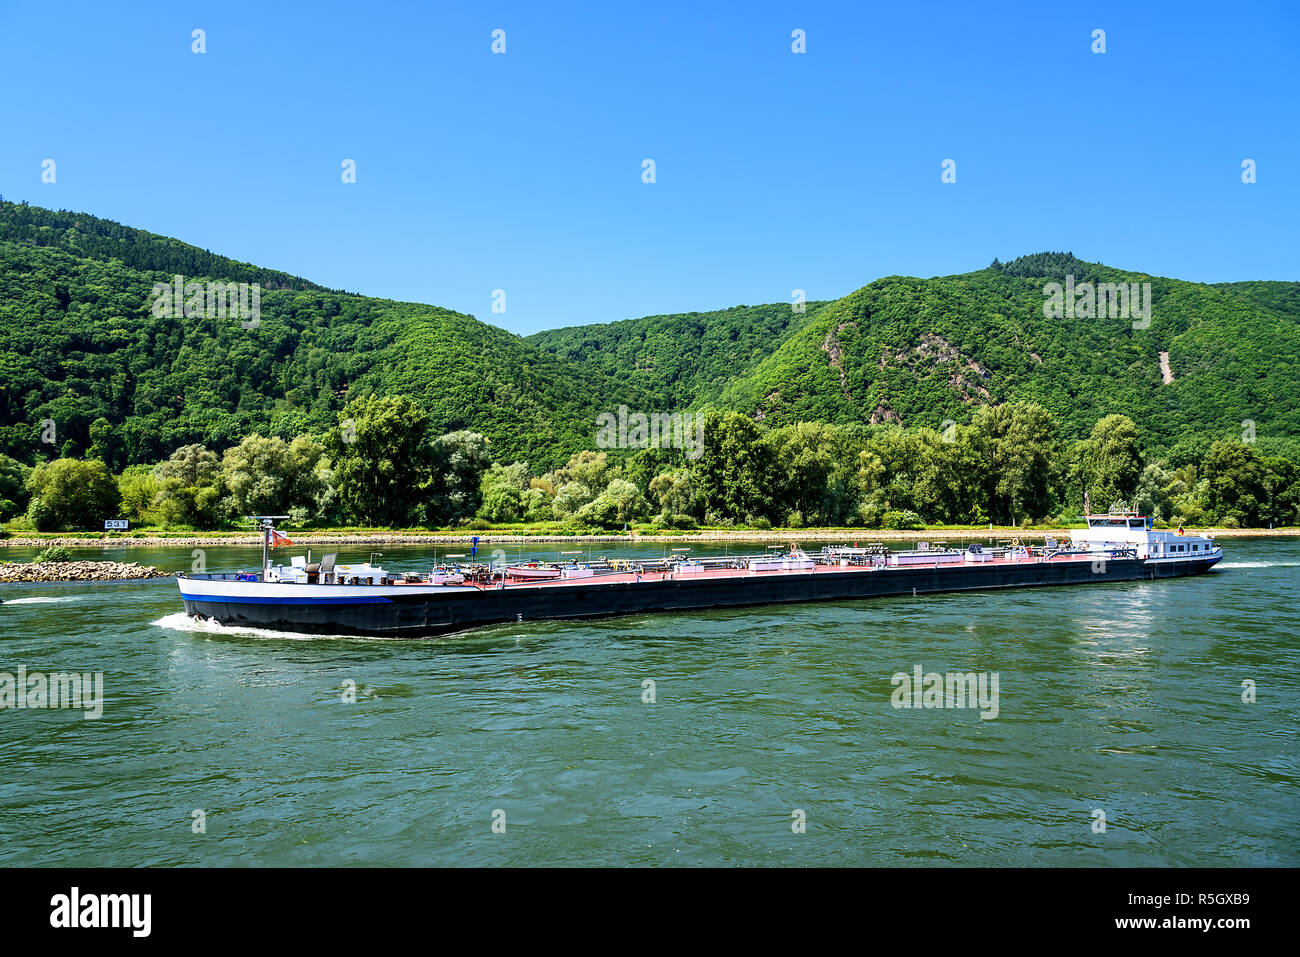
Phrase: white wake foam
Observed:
(39, 600)
(179, 621)
(1259, 564)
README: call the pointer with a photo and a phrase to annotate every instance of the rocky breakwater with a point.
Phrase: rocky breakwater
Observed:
(85, 571)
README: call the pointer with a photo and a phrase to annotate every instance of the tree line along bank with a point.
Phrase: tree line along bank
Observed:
(380, 466)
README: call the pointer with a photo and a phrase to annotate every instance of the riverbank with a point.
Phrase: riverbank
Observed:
(488, 537)
(84, 571)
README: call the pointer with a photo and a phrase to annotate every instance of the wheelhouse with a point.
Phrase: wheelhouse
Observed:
(1130, 529)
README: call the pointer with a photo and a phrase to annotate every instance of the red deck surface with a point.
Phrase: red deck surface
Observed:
(746, 573)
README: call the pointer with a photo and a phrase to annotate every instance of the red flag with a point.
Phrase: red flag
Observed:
(277, 539)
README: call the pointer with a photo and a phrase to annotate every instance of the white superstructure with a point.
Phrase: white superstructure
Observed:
(1110, 532)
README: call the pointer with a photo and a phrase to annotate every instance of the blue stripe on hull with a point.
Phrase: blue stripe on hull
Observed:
(306, 600)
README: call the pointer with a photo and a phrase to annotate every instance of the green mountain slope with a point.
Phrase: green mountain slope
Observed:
(681, 360)
(1282, 298)
(80, 346)
(921, 351)
(88, 237)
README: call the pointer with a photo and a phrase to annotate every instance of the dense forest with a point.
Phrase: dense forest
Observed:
(959, 399)
(921, 352)
(81, 347)
(683, 361)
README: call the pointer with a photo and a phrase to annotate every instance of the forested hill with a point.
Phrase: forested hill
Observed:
(681, 360)
(918, 351)
(80, 346)
(922, 351)
(89, 237)
(1280, 297)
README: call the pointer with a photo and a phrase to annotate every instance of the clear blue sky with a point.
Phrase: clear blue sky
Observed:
(775, 171)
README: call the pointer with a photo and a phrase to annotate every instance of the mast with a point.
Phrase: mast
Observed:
(266, 525)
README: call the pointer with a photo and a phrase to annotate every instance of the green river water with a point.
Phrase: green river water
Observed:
(1120, 699)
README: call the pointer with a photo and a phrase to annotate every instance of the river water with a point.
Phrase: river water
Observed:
(771, 738)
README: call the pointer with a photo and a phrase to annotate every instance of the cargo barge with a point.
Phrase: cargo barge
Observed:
(363, 599)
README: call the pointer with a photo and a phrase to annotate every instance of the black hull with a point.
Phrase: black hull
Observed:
(420, 615)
